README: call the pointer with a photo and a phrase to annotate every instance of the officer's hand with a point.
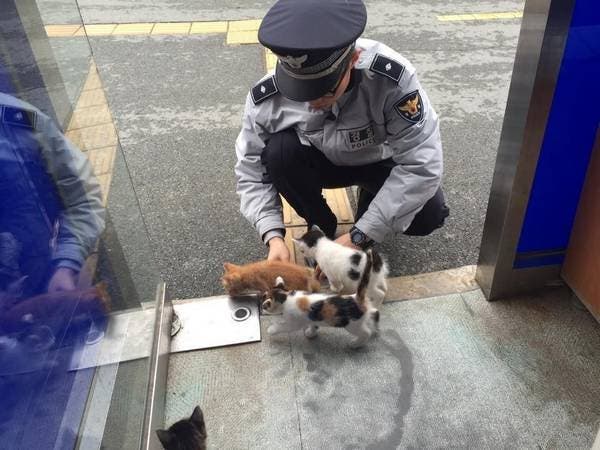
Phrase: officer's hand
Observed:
(64, 279)
(278, 251)
(345, 240)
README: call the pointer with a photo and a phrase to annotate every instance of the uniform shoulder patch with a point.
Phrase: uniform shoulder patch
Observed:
(20, 117)
(387, 67)
(410, 107)
(263, 90)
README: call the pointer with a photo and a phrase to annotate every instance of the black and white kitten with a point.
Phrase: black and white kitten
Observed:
(308, 311)
(344, 266)
(186, 434)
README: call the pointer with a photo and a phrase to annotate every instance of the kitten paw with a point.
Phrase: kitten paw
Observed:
(311, 332)
(357, 343)
(335, 288)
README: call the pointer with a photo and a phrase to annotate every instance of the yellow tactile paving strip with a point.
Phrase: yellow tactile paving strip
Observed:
(270, 60)
(243, 32)
(61, 30)
(100, 29)
(92, 130)
(172, 28)
(481, 16)
(295, 225)
(129, 29)
(237, 31)
(208, 27)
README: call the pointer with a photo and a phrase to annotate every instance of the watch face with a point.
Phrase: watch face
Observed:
(357, 237)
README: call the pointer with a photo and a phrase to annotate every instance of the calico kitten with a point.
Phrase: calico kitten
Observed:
(344, 266)
(303, 310)
(260, 276)
(186, 434)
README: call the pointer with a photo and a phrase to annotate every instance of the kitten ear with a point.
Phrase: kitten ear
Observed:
(315, 228)
(165, 437)
(228, 267)
(198, 419)
(197, 416)
(267, 304)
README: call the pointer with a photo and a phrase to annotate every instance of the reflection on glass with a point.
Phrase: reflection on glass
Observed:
(51, 217)
(77, 283)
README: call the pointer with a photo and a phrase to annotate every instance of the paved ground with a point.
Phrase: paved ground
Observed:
(446, 372)
(177, 102)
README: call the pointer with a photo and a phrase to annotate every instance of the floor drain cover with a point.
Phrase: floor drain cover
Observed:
(240, 314)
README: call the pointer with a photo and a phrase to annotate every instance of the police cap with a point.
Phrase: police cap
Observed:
(313, 40)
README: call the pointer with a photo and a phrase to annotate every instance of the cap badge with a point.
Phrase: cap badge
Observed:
(388, 67)
(294, 62)
(263, 89)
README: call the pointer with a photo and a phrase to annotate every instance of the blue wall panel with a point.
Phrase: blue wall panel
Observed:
(570, 133)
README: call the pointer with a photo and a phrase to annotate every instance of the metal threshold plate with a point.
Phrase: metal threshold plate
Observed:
(215, 322)
(128, 336)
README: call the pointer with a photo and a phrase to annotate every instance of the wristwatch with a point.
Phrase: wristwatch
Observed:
(360, 239)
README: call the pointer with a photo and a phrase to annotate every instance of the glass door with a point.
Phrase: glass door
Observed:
(79, 290)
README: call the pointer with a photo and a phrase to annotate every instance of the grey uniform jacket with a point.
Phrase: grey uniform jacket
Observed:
(26, 136)
(386, 114)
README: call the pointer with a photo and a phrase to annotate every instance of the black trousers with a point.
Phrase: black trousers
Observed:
(299, 173)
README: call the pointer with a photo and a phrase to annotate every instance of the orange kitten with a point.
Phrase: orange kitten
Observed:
(260, 276)
(44, 307)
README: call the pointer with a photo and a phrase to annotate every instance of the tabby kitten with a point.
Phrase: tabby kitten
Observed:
(259, 277)
(303, 310)
(344, 266)
(186, 434)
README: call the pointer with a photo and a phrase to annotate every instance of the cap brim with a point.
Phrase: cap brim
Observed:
(305, 90)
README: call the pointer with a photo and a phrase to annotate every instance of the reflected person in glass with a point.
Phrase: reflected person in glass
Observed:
(51, 212)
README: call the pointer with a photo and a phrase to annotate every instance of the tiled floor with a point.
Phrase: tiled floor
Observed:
(447, 372)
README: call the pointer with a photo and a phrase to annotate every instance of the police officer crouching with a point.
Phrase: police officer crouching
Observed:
(338, 111)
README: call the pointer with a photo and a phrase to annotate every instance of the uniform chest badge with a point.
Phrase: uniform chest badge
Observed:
(361, 137)
(410, 107)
